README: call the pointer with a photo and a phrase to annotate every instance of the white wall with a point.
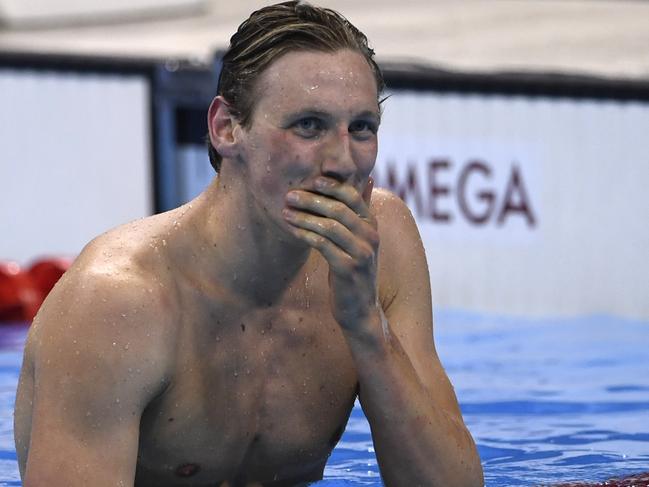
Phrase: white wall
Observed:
(575, 239)
(74, 160)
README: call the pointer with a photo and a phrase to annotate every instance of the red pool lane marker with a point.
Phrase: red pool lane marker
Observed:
(45, 273)
(17, 295)
(22, 291)
(635, 480)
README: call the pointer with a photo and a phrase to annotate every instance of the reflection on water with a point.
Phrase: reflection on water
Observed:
(548, 401)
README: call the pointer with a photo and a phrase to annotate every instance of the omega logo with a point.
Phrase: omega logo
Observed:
(471, 192)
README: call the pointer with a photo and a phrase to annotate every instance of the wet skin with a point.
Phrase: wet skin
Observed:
(224, 342)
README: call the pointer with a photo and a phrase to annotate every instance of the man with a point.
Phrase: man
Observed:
(224, 343)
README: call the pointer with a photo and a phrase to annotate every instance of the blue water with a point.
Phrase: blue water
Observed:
(547, 401)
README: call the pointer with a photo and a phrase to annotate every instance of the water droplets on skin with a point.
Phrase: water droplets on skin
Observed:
(306, 291)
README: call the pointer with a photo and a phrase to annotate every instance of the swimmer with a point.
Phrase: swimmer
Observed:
(224, 343)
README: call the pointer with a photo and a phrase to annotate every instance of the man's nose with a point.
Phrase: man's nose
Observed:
(338, 162)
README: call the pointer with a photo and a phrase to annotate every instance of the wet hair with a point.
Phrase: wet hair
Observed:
(272, 32)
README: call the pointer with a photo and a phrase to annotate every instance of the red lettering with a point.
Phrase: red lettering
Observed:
(515, 187)
(437, 190)
(477, 207)
(485, 196)
(404, 190)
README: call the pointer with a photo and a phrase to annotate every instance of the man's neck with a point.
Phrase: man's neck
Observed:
(241, 248)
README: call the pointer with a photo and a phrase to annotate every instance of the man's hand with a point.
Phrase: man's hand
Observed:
(335, 219)
(417, 428)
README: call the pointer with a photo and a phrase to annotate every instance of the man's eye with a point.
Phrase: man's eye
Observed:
(308, 127)
(363, 127)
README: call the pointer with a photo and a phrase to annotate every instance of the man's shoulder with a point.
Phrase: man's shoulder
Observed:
(135, 248)
(114, 291)
(400, 245)
(395, 221)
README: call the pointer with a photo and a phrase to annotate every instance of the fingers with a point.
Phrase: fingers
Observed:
(339, 261)
(322, 205)
(330, 231)
(367, 192)
(347, 194)
(335, 200)
(335, 219)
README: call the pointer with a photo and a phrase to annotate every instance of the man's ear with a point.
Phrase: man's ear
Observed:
(222, 124)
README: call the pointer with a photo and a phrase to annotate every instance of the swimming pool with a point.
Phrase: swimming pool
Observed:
(547, 401)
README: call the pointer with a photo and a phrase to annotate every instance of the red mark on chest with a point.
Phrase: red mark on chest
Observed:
(187, 470)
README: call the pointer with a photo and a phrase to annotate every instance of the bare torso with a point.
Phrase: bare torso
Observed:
(199, 347)
(261, 393)
(258, 392)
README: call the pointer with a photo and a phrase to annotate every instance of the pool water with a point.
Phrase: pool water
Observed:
(12, 339)
(548, 401)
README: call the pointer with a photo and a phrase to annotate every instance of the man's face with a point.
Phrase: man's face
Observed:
(316, 114)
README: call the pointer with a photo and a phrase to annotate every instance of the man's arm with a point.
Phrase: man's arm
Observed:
(419, 434)
(418, 431)
(92, 363)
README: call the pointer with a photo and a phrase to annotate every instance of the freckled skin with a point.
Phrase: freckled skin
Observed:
(237, 371)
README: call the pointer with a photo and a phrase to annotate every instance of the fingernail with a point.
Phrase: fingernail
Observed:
(292, 197)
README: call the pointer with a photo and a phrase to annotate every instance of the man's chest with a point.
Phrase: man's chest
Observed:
(264, 395)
